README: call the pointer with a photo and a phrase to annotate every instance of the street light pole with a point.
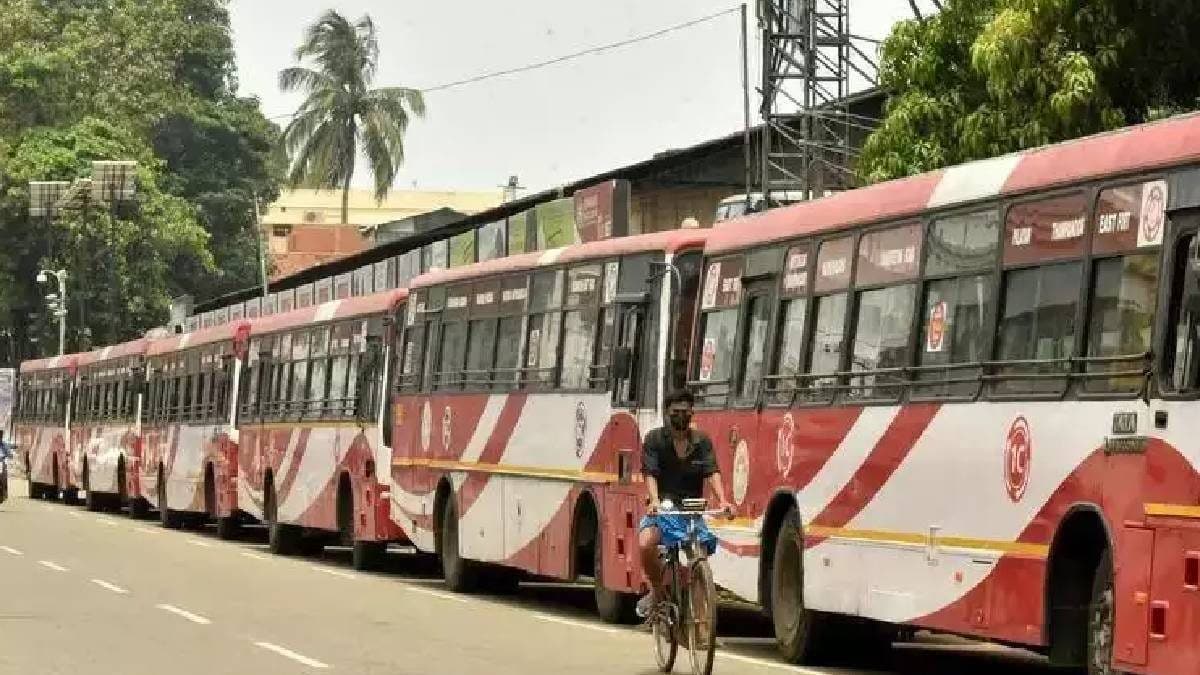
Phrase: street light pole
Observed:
(58, 303)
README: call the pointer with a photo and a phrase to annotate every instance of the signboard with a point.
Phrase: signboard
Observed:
(304, 296)
(341, 286)
(323, 290)
(462, 249)
(518, 232)
(602, 211)
(1130, 217)
(555, 224)
(795, 274)
(1045, 230)
(708, 358)
(889, 255)
(8, 383)
(833, 265)
(722, 283)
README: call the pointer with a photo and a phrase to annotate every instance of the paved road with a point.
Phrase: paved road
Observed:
(85, 593)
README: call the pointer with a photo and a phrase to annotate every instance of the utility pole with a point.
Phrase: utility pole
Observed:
(57, 303)
(746, 110)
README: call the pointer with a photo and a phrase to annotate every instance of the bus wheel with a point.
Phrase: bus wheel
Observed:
(229, 527)
(368, 555)
(122, 497)
(281, 539)
(1101, 619)
(91, 500)
(166, 517)
(460, 575)
(612, 606)
(796, 628)
(139, 508)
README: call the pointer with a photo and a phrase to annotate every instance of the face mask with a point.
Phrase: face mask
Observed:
(680, 420)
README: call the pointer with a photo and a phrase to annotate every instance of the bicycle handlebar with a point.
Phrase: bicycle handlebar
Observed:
(698, 514)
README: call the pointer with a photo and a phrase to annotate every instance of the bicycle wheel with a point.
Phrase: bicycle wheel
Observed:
(663, 624)
(702, 617)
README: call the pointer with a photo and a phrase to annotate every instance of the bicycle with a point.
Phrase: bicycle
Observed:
(688, 613)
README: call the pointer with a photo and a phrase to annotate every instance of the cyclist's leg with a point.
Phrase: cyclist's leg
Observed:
(649, 537)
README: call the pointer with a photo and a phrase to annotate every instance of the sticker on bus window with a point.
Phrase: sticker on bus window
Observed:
(935, 332)
(610, 281)
(708, 359)
(1153, 214)
(711, 282)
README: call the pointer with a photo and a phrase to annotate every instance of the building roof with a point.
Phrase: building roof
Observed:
(1138, 149)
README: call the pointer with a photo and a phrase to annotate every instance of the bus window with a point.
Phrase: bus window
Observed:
(717, 337)
(789, 342)
(1123, 297)
(480, 347)
(1180, 355)
(545, 321)
(881, 339)
(754, 343)
(1037, 323)
(953, 332)
(825, 354)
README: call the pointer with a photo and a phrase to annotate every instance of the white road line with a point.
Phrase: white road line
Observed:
(436, 594)
(9, 549)
(335, 573)
(255, 556)
(52, 565)
(194, 618)
(285, 652)
(199, 542)
(112, 587)
(577, 624)
(147, 530)
(74, 514)
(769, 664)
(105, 521)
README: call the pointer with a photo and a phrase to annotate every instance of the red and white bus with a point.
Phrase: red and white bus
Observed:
(525, 386)
(313, 457)
(41, 425)
(106, 433)
(189, 467)
(961, 401)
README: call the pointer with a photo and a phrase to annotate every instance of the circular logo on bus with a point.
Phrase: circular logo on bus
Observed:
(446, 419)
(580, 428)
(426, 426)
(1018, 456)
(1154, 212)
(784, 453)
(741, 472)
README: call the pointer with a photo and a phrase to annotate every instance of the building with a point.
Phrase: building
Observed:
(303, 227)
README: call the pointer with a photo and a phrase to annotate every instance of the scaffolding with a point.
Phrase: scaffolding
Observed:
(808, 59)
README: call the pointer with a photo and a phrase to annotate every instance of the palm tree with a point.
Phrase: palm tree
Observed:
(342, 112)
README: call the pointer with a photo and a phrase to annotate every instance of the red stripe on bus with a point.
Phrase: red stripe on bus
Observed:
(493, 451)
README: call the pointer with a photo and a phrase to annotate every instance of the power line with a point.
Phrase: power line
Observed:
(567, 57)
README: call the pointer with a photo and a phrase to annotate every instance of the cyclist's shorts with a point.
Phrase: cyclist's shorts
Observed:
(674, 530)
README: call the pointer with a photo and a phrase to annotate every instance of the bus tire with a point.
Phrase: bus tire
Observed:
(139, 508)
(612, 606)
(461, 575)
(1101, 624)
(367, 556)
(797, 629)
(281, 539)
(91, 500)
(169, 519)
(228, 527)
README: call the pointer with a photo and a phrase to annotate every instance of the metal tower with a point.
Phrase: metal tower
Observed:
(806, 69)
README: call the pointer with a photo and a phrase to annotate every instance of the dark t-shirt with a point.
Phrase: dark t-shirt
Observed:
(678, 477)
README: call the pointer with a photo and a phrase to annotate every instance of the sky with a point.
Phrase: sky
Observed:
(549, 126)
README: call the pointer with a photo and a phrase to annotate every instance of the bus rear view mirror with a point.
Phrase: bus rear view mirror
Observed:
(622, 365)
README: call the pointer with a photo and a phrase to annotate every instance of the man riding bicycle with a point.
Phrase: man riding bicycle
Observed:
(677, 460)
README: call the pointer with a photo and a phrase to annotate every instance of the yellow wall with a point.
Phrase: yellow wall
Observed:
(324, 207)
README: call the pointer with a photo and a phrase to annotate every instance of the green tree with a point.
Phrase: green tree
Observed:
(161, 74)
(342, 112)
(986, 77)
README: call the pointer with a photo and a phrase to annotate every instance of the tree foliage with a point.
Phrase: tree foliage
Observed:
(151, 80)
(986, 77)
(342, 112)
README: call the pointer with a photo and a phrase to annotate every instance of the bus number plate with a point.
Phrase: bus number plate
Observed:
(1124, 423)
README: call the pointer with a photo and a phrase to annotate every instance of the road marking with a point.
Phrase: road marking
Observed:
(147, 530)
(436, 594)
(105, 521)
(74, 514)
(285, 652)
(255, 556)
(9, 549)
(335, 573)
(112, 587)
(199, 542)
(194, 618)
(768, 664)
(52, 565)
(577, 624)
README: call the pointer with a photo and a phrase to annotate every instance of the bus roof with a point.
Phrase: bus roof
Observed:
(363, 305)
(137, 347)
(51, 363)
(205, 336)
(669, 241)
(1147, 147)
